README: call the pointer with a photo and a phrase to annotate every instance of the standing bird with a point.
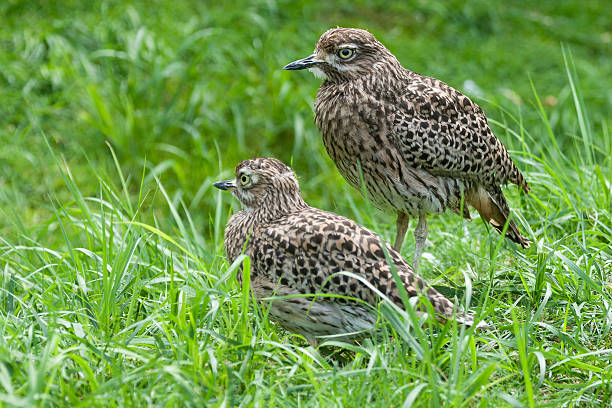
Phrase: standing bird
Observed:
(298, 253)
(419, 145)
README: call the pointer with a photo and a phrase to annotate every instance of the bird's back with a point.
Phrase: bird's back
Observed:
(440, 129)
(312, 250)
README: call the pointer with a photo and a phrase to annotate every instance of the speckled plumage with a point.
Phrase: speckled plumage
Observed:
(298, 250)
(419, 144)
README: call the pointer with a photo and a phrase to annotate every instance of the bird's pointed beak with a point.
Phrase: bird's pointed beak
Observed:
(225, 184)
(309, 61)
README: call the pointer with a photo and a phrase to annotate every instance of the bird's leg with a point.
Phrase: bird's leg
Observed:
(402, 226)
(420, 235)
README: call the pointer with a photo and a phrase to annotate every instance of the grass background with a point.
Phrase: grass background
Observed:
(117, 117)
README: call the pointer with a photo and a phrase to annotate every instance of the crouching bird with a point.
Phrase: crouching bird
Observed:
(412, 143)
(299, 253)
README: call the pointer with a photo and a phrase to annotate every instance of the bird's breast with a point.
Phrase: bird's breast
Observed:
(238, 229)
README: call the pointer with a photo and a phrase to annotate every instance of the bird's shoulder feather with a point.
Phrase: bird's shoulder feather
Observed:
(443, 131)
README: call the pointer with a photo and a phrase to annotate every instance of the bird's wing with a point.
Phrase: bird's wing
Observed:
(306, 251)
(437, 128)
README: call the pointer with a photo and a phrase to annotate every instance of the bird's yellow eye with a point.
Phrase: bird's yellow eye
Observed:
(346, 53)
(244, 179)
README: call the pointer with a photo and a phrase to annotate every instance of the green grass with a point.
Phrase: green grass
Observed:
(117, 117)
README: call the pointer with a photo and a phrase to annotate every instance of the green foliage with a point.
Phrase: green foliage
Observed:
(117, 117)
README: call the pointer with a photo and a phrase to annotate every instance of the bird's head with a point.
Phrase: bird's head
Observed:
(265, 183)
(343, 54)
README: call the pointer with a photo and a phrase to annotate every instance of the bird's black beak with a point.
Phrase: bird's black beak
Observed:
(304, 63)
(225, 184)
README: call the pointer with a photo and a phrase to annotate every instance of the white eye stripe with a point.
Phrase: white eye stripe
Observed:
(346, 67)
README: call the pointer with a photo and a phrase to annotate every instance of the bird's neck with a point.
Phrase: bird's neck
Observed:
(274, 206)
(242, 224)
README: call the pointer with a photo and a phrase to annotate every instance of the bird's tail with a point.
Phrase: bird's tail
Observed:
(445, 310)
(520, 181)
(468, 320)
(493, 208)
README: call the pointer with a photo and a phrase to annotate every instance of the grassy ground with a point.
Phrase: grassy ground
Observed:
(117, 117)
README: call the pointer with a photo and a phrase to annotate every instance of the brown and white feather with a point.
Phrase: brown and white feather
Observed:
(419, 143)
(298, 250)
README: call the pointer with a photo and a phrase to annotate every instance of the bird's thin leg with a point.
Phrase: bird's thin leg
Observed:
(402, 226)
(420, 235)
